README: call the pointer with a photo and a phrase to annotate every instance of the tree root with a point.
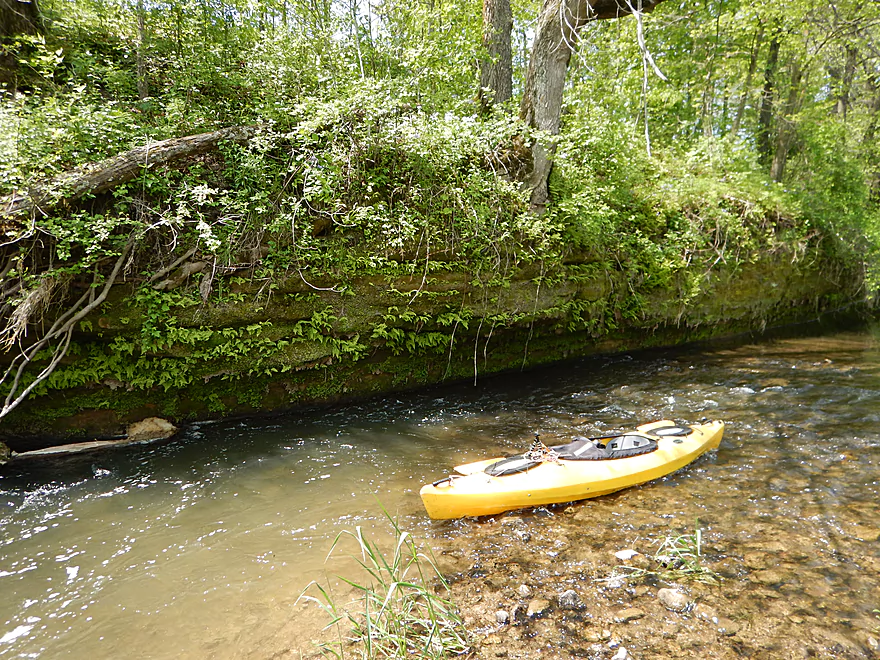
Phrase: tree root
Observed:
(60, 332)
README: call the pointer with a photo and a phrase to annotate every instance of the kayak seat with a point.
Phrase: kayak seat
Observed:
(675, 430)
(583, 449)
(510, 465)
(599, 449)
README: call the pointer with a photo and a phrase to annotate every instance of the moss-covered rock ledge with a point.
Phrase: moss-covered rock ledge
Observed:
(151, 353)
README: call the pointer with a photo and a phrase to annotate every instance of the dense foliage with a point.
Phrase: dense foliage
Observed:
(698, 134)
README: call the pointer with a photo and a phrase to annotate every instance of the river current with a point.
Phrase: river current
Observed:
(200, 547)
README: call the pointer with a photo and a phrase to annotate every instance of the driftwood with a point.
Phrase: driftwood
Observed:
(100, 177)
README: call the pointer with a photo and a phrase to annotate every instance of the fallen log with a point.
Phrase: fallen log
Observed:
(96, 178)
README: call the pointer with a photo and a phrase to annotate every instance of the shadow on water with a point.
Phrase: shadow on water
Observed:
(199, 547)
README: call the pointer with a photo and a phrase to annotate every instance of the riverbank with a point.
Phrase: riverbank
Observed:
(382, 335)
(207, 541)
(412, 265)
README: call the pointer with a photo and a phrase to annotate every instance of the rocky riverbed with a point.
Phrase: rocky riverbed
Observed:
(549, 583)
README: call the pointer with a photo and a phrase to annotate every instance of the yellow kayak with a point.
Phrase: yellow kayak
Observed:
(583, 468)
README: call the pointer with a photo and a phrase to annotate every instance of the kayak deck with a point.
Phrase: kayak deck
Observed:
(473, 492)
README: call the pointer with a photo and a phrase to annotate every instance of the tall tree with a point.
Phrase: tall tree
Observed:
(747, 85)
(765, 115)
(496, 65)
(143, 84)
(786, 131)
(556, 37)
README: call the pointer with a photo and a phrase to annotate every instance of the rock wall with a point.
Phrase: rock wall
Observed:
(264, 349)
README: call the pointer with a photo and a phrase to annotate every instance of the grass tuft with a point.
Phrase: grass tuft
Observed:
(396, 613)
(678, 558)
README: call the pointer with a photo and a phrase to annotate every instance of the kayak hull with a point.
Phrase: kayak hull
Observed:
(472, 492)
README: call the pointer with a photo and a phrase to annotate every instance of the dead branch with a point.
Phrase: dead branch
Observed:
(164, 271)
(96, 178)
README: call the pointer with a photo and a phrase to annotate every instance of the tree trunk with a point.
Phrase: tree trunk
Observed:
(787, 128)
(765, 116)
(496, 66)
(869, 143)
(143, 84)
(100, 177)
(555, 41)
(845, 82)
(17, 17)
(747, 87)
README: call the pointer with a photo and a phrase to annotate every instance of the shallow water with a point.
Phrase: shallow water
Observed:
(200, 547)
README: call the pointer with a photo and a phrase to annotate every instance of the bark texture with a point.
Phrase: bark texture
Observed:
(496, 68)
(787, 127)
(747, 86)
(765, 114)
(555, 40)
(100, 177)
(19, 17)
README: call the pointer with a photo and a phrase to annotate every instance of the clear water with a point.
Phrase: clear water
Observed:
(200, 547)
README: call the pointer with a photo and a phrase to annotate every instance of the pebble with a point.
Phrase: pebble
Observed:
(518, 613)
(522, 535)
(625, 555)
(874, 644)
(727, 627)
(706, 613)
(570, 600)
(869, 534)
(768, 577)
(537, 607)
(595, 636)
(622, 654)
(524, 590)
(756, 560)
(629, 614)
(502, 617)
(673, 599)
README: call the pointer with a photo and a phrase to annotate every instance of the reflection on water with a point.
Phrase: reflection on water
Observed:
(200, 547)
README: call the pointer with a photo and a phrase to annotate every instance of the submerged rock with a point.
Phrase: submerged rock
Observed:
(629, 614)
(570, 600)
(5, 453)
(518, 613)
(538, 607)
(769, 577)
(622, 654)
(706, 613)
(151, 428)
(727, 627)
(673, 599)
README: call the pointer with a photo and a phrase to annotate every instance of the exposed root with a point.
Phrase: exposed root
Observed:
(59, 334)
(28, 311)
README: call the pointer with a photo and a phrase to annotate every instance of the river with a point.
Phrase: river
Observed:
(200, 547)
